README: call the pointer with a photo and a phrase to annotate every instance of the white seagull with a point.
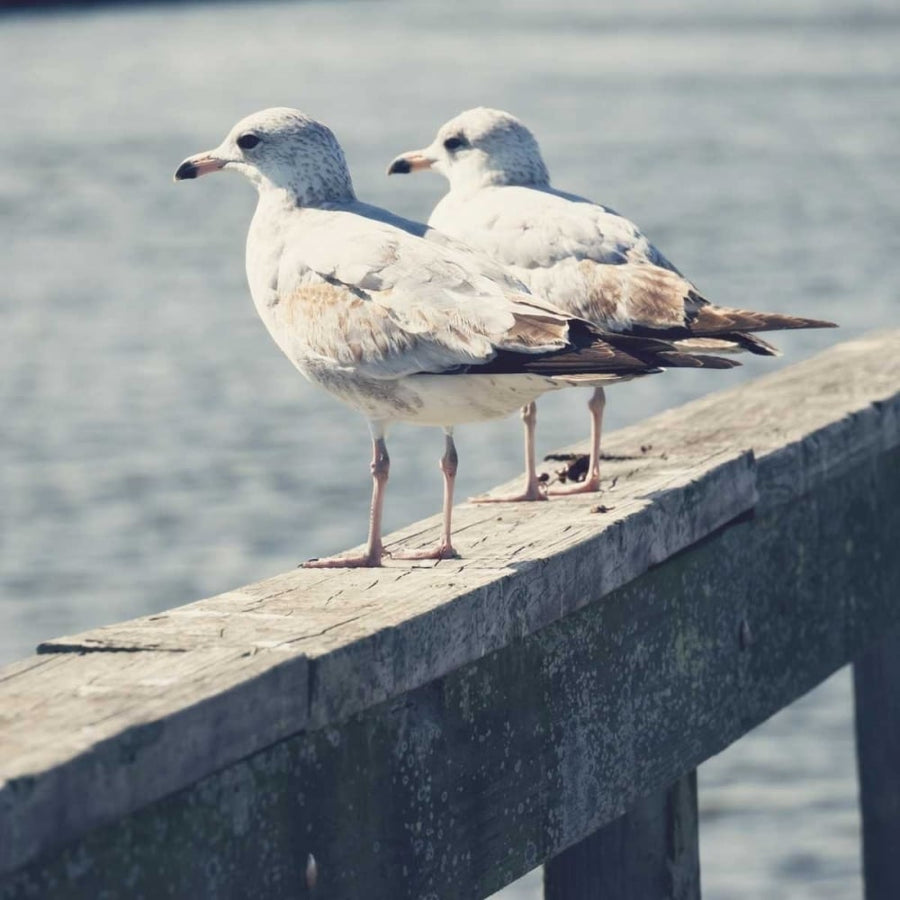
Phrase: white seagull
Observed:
(398, 322)
(584, 258)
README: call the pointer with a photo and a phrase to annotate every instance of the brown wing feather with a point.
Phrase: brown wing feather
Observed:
(654, 300)
(713, 320)
(537, 330)
(645, 295)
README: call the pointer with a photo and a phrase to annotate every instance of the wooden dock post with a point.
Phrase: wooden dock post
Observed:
(877, 691)
(652, 852)
(435, 731)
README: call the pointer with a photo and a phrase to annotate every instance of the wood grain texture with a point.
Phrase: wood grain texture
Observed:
(652, 852)
(337, 665)
(101, 733)
(877, 689)
(457, 787)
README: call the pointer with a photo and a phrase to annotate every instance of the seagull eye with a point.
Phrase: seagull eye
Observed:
(247, 141)
(454, 143)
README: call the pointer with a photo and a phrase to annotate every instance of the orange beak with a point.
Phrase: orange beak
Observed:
(415, 161)
(195, 166)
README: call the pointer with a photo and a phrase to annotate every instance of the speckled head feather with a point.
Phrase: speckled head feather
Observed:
(495, 148)
(282, 149)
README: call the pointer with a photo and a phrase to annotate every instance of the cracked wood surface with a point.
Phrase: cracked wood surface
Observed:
(88, 736)
(459, 786)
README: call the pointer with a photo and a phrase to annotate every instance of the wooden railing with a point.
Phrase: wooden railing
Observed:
(437, 730)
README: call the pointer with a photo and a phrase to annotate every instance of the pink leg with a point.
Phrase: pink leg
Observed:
(381, 467)
(591, 483)
(533, 489)
(444, 550)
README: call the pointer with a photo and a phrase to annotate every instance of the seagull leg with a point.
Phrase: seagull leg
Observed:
(591, 482)
(533, 488)
(381, 467)
(449, 465)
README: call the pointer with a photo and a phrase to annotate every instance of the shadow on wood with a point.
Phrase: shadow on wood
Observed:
(650, 853)
(877, 690)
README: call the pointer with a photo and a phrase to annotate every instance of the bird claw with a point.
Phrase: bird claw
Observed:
(588, 486)
(531, 494)
(442, 551)
(366, 561)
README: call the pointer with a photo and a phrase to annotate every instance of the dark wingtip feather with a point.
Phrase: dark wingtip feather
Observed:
(656, 352)
(753, 344)
(593, 351)
(716, 321)
(674, 359)
(797, 322)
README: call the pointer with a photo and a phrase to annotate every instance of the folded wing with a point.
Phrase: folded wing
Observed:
(388, 304)
(595, 264)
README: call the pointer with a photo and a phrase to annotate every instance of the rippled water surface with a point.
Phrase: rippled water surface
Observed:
(156, 447)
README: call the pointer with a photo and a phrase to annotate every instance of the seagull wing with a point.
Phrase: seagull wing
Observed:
(585, 258)
(593, 263)
(388, 304)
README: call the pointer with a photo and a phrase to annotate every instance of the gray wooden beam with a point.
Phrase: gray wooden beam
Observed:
(348, 639)
(652, 852)
(746, 552)
(456, 788)
(877, 691)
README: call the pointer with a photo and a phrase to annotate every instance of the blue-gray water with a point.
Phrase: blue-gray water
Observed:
(157, 448)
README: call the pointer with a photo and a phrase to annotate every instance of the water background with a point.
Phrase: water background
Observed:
(155, 446)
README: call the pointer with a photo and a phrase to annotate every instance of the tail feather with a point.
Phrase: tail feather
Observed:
(676, 360)
(709, 321)
(594, 352)
(736, 342)
(664, 354)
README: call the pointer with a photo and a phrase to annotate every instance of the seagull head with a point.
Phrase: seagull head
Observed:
(479, 147)
(281, 149)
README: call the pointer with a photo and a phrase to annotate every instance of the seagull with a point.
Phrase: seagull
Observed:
(395, 320)
(580, 256)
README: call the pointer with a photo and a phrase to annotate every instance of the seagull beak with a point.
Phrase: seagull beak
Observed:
(201, 164)
(414, 161)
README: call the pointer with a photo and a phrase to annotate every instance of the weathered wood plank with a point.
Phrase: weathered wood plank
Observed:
(145, 721)
(411, 624)
(652, 852)
(343, 642)
(419, 624)
(877, 690)
(461, 785)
